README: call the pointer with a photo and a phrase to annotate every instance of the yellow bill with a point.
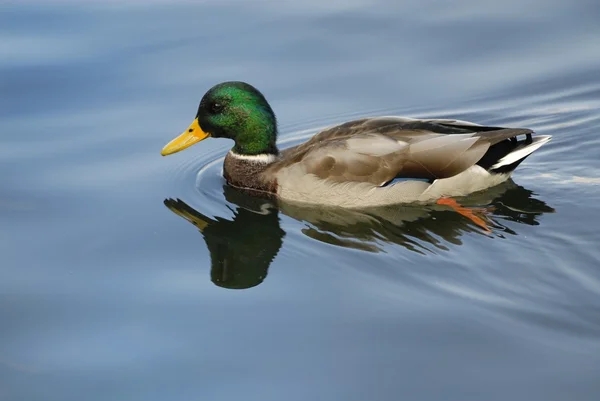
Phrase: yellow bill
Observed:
(192, 135)
(180, 208)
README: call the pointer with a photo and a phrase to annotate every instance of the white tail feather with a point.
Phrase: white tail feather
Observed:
(523, 152)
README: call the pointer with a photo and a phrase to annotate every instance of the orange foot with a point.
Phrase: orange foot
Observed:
(469, 213)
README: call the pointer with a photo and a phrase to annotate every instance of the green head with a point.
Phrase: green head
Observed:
(234, 110)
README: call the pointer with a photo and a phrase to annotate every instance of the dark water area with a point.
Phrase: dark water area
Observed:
(129, 276)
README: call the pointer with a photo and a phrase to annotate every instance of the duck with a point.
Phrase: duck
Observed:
(367, 162)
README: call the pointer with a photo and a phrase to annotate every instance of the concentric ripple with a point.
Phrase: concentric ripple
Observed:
(517, 213)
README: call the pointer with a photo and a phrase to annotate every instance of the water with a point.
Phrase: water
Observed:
(107, 294)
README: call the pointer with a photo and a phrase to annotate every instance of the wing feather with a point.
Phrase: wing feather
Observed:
(377, 150)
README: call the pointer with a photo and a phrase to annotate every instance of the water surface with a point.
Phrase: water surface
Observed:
(128, 276)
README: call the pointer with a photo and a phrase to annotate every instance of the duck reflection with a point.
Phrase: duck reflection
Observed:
(421, 228)
(242, 249)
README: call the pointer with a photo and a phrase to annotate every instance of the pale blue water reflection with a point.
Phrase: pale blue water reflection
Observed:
(106, 294)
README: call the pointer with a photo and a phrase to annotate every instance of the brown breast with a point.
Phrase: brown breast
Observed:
(248, 174)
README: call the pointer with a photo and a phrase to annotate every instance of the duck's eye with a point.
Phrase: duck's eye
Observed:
(216, 107)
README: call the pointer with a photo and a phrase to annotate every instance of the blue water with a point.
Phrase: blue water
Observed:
(107, 292)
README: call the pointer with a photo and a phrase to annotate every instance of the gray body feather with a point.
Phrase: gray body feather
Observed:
(354, 164)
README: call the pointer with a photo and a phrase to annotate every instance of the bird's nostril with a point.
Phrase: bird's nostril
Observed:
(190, 130)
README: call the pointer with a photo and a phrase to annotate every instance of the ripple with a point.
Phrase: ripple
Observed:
(516, 289)
(419, 229)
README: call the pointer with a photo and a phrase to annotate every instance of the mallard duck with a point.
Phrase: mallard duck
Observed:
(368, 162)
